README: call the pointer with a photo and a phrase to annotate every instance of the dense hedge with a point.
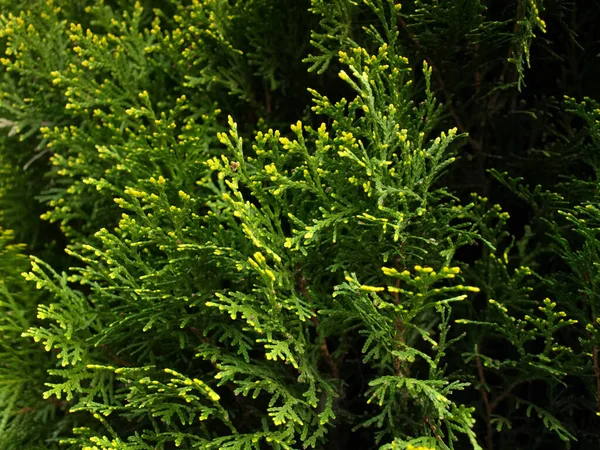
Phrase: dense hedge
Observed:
(289, 224)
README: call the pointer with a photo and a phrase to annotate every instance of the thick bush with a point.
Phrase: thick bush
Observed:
(257, 224)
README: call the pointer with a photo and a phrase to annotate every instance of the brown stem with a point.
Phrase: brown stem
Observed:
(435, 431)
(116, 358)
(507, 64)
(504, 394)
(335, 372)
(492, 104)
(457, 120)
(61, 404)
(477, 75)
(239, 399)
(596, 365)
(597, 375)
(325, 353)
(268, 106)
(486, 400)
(399, 325)
(490, 406)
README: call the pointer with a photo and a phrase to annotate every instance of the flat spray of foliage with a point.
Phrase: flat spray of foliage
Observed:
(413, 263)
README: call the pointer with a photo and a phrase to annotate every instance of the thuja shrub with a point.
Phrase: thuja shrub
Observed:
(280, 224)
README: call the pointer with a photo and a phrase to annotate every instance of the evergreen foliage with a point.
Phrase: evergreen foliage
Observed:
(413, 263)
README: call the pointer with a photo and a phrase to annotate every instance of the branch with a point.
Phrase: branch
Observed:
(335, 372)
(435, 431)
(486, 400)
(325, 353)
(505, 394)
(399, 325)
(490, 406)
(268, 106)
(114, 356)
(596, 365)
(597, 376)
(457, 120)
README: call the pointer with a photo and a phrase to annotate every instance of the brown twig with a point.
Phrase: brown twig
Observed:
(507, 64)
(490, 406)
(504, 394)
(595, 363)
(477, 74)
(325, 353)
(268, 106)
(239, 399)
(433, 428)
(486, 400)
(61, 404)
(399, 325)
(335, 372)
(597, 375)
(115, 357)
(457, 120)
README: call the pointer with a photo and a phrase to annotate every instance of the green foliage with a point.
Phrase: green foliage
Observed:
(387, 272)
(26, 417)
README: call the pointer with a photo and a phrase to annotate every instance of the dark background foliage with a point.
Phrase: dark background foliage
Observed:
(528, 146)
